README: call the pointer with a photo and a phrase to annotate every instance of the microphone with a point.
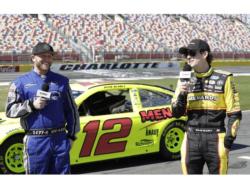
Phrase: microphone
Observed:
(44, 92)
(45, 87)
(186, 73)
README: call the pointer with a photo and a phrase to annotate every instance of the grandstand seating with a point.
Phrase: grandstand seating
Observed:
(132, 35)
(98, 32)
(20, 33)
(224, 33)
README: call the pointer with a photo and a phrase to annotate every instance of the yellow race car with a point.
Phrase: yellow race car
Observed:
(116, 120)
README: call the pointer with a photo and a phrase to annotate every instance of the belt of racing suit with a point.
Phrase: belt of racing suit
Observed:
(45, 132)
(206, 130)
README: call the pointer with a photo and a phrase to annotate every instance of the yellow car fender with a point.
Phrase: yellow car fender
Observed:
(9, 127)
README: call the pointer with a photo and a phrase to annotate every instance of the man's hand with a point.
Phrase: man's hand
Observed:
(39, 103)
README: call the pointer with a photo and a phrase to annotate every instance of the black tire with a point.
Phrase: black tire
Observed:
(11, 155)
(171, 140)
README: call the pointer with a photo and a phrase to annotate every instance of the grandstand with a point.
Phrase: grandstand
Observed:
(85, 37)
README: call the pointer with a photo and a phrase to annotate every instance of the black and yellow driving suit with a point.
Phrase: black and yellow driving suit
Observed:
(211, 96)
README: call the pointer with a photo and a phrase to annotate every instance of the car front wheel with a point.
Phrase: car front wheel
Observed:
(11, 155)
(171, 140)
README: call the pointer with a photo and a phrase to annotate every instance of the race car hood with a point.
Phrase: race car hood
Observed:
(9, 121)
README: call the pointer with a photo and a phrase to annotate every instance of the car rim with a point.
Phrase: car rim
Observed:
(14, 158)
(174, 139)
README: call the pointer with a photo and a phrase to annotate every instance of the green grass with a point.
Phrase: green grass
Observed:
(3, 97)
(243, 88)
(242, 83)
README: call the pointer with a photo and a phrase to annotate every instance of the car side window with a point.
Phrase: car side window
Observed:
(154, 98)
(106, 102)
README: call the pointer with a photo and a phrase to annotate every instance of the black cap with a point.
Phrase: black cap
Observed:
(195, 45)
(41, 48)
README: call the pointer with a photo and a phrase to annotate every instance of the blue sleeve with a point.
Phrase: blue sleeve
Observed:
(71, 113)
(16, 105)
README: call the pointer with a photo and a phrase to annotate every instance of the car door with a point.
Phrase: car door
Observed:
(106, 126)
(154, 112)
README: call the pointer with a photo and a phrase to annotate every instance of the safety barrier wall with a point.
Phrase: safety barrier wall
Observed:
(171, 65)
(69, 57)
(9, 68)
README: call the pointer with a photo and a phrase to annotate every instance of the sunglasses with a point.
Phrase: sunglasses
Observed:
(191, 53)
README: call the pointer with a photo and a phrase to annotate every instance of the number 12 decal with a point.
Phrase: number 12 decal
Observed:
(104, 146)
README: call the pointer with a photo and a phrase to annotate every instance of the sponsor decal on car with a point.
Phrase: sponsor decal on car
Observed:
(120, 86)
(144, 142)
(155, 115)
(150, 132)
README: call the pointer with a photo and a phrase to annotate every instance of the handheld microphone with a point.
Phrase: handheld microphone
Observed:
(44, 92)
(186, 73)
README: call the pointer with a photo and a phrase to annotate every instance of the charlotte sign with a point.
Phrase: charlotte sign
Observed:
(170, 65)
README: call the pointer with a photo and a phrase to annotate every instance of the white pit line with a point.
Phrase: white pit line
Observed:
(244, 157)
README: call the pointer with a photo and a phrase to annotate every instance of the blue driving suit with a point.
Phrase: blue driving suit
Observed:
(46, 144)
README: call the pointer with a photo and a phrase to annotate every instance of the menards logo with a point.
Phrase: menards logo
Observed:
(155, 115)
(203, 97)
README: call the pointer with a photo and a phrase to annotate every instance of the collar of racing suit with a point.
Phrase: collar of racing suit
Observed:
(43, 77)
(204, 74)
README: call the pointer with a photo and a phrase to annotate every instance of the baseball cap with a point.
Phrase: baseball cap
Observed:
(42, 47)
(195, 45)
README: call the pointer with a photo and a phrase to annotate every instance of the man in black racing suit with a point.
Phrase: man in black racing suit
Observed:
(206, 99)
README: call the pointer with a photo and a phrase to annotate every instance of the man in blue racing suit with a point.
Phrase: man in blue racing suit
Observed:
(42, 100)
